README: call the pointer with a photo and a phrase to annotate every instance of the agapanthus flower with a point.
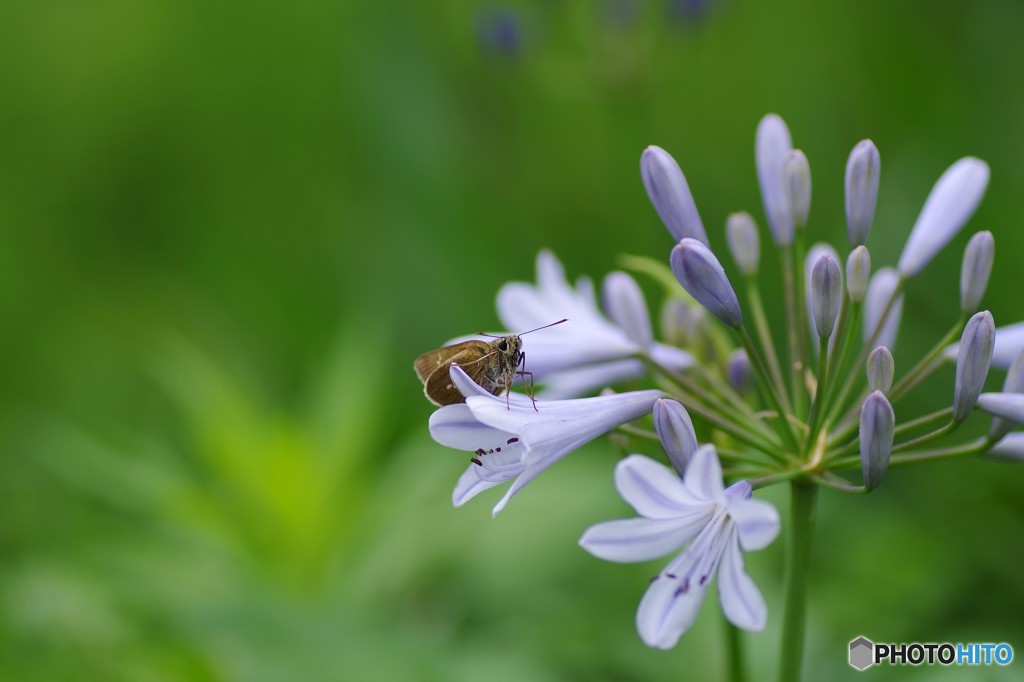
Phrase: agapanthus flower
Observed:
(516, 439)
(709, 522)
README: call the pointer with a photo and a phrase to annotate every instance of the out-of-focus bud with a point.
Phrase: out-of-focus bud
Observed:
(877, 429)
(797, 176)
(972, 363)
(624, 303)
(741, 233)
(858, 273)
(949, 206)
(881, 368)
(1014, 384)
(863, 170)
(682, 322)
(771, 148)
(675, 430)
(667, 188)
(977, 267)
(826, 295)
(703, 277)
(880, 289)
(738, 372)
(1005, 405)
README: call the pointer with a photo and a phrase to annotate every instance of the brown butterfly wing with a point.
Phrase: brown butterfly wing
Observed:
(433, 369)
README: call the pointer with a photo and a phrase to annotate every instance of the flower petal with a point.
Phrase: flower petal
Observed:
(454, 426)
(624, 303)
(756, 521)
(669, 608)
(742, 602)
(631, 540)
(577, 381)
(703, 477)
(654, 490)
(1006, 405)
(469, 486)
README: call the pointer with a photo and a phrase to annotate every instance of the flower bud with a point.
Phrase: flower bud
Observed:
(1014, 384)
(877, 429)
(667, 188)
(814, 253)
(741, 233)
(972, 363)
(976, 269)
(858, 273)
(682, 323)
(797, 176)
(863, 169)
(880, 290)
(826, 295)
(771, 148)
(1006, 405)
(881, 368)
(624, 303)
(739, 372)
(949, 206)
(703, 277)
(675, 430)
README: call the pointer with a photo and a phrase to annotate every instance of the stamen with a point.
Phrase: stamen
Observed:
(670, 575)
(512, 440)
(475, 461)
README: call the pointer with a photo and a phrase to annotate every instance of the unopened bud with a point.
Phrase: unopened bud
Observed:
(675, 430)
(826, 295)
(703, 277)
(858, 273)
(881, 368)
(863, 170)
(741, 233)
(667, 188)
(881, 288)
(972, 363)
(1014, 384)
(976, 269)
(624, 303)
(797, 174)
(877, 429)
(771, 148)
(739, 372)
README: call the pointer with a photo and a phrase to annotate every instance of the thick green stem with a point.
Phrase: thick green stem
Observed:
(803, 510)
(734, 661)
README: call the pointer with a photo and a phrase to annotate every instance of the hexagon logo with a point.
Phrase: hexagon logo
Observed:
(862, 653)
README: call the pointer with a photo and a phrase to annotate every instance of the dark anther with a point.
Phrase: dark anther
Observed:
(479, 451)
(475, 461)
(703, 579)
(512, 440)
(497, 449)
(670, 575)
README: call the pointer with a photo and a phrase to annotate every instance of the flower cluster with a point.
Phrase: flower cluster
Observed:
(825, 404)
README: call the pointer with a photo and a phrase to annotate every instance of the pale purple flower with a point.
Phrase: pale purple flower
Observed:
(863, 170)
(949, 206)
(814, 254)
(771, 149)
(975, 271)
(589, 351)
(826, 294)
(744, 244)
(697, 513)
(675, 430)
(877, 429)
(972, 363)
(704, 278)
(513, 440)
(667, 188)
(1009, 344)
(797, 178)
(858, 273)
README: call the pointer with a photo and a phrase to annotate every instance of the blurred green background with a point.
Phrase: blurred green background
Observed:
(227, 228)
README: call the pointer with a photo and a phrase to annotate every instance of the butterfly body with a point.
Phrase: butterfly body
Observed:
(493, 365)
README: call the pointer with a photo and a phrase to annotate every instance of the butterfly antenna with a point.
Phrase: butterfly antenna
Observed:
(566, 319)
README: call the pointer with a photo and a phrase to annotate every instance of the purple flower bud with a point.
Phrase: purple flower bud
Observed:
(881, 368)
(797, 177)
(741, 233)
(877, 429)
(1014, 384)
(703, 277)
(739, 372)
(826, 295)
(972, 363)
(863, 169)
(858, 273)
(667, 188)
(675, 429)
(771, 148)
(880, 289)
(977, 267)
(949, 206)
(682, 323)
(624, 303)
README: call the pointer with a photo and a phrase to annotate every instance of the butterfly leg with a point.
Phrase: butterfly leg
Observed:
(522, 376)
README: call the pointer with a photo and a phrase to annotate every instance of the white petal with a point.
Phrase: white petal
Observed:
(757, 522)
(529, 473)
(742, 602)
(1006, 405)
(469, 485)
(578, 381)
(641, 539)
(704, 474)
(949, 206)
(1010, 447)
(667, 611)
(454, 426)
(772, 146)
(624, 303)
(655, 491)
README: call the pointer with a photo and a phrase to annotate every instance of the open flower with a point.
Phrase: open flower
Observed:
(590, 351)
(515, 441)
(697, 513)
